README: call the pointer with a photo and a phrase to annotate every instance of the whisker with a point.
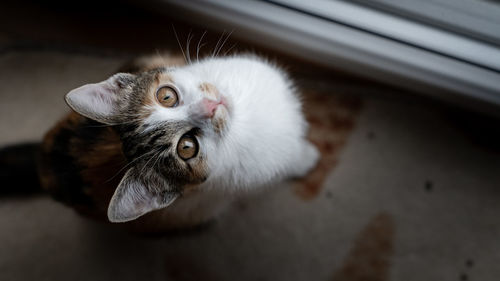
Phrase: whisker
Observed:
(218, 42)
(198, 47)
(145, 165)
(179, 42)
(111, 125)
(190, 36)
(128, 164)
(224, 42)
(157, 158)
(227, 51)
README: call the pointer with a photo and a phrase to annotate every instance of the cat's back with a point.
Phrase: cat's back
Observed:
(247, 74)
(76, 155)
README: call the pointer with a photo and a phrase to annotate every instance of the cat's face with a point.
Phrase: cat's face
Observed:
(170, 123)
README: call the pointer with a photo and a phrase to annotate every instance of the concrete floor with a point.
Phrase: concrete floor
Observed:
(402, 193)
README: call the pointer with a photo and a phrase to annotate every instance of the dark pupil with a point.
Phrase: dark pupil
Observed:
(166, 97)
(187, 145)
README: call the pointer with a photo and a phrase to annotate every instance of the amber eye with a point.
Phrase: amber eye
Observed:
(187, 147)
(167, 96)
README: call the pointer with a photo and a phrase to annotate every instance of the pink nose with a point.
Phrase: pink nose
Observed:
(209, 106)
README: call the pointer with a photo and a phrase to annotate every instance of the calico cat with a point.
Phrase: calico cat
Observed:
(164, 145)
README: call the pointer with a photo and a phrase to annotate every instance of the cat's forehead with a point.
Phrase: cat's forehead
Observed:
(147, 82)
(179, 76)
(165, 76)
(182, 76)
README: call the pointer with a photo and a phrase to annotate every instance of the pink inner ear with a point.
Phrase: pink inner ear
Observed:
(102, 95)
(98, 101)
(132, 199)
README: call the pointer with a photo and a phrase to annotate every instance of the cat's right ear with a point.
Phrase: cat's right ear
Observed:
(138, 194)
(104, 101)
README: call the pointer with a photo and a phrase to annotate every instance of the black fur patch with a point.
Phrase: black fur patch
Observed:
(69, 187)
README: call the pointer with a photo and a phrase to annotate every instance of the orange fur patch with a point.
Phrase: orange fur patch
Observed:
(102, 165)
(99, 160)
(48, 179)
(150, 62)
(68, 121)
(219, 120)
(210, 90)
(164, 78)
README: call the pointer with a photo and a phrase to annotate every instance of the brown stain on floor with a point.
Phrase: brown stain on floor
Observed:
(331, 118)
(370, 257)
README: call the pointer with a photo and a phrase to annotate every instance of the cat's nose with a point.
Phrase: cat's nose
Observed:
(209, 106)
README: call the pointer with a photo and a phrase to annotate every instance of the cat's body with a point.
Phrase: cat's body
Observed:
(171, 146)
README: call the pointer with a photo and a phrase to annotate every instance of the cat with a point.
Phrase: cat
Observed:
(164, 145)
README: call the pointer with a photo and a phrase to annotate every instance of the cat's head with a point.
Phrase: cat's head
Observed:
(170, 123)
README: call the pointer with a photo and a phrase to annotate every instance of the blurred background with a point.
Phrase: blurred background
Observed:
(403, 98)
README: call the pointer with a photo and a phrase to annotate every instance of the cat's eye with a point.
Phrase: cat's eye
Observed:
(167, 96)
(187, 147)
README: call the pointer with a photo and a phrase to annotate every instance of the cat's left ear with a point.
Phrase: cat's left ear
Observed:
(103, 101)
(136, 196)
